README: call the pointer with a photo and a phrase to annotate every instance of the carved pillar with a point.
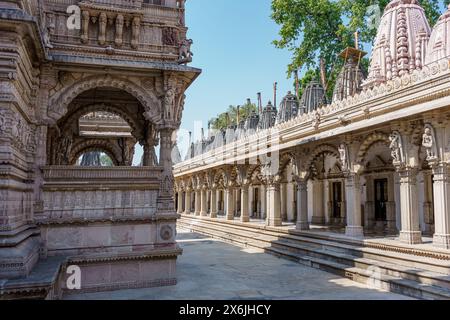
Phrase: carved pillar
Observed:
(180, 202)
(318, 216)
(244, 204)
(230, 203)
(197, 202)
(262, 210)
(353, 198)
(187, 203)
(135, 32)
(273, 204)
(119, 30)
(203, 200)
(409, 201)
(102, 21)
(442, 205)
(283, 201)
(213, 203)
(165, 198)
(302, 205)
(85, 27)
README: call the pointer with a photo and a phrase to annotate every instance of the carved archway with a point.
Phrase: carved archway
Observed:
(368, 143)
(58, 104)
(114, 109)
(89, 145)
(324, 148)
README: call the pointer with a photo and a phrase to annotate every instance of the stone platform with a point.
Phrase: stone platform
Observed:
(416, 271)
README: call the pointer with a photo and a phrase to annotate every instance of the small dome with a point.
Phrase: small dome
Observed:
(439, 45)
(268, 117)
(288, 108)
(313, 97)
(400, 45)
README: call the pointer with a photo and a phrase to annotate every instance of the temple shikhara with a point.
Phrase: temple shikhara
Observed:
(357, 181)
(78, 78)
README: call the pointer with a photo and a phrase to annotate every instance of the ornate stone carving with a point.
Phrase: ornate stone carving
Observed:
(396, 146)
(166, 233)
(185, 54)
(429, 143)
(135, 32)
(170, 37)
(119, 30)
(344, 156)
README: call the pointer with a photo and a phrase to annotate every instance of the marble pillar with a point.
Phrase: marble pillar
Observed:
(187, 203)
(442, 206)
(302, 205)
(230, 203)
(180, 202)
(214, 211)
(273, 205)
(353, 198)
(318, 214)
(244, 204)
(197, 202)
(409, 201)
(203, 203)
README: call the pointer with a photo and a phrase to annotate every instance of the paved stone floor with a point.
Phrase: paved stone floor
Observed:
(210, 270)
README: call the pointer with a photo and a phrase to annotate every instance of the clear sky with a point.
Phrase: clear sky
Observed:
(233, 46)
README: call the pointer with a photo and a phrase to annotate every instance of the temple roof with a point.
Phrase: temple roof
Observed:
(439, 44)
(400, 45)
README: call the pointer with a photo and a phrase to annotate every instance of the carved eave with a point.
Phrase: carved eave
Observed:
(188, 74)
(21, 22)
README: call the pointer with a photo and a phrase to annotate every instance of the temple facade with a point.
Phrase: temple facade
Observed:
(374, 162)
(78, 78)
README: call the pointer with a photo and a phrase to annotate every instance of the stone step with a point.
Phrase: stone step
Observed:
(41, 283)
(358, 250)
(415, 282)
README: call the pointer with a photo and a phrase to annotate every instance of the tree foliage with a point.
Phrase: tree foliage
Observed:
(221, 122)
(316, 31)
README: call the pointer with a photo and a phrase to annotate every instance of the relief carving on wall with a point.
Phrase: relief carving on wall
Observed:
(429, 143)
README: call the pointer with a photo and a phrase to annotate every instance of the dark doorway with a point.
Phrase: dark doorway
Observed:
(337, 199)
(381, 199)
(255, 201)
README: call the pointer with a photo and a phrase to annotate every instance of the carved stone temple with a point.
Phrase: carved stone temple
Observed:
(369, 168)
(78, 78)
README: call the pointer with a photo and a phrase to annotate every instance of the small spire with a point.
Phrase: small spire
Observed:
(275, 93)
(259, 102)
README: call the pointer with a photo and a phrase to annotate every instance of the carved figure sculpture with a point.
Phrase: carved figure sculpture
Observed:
(185, 53)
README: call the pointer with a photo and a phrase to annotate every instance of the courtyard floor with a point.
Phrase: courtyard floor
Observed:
(213, 270)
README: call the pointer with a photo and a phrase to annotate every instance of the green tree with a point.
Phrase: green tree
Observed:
(220, 122)
(316, 31)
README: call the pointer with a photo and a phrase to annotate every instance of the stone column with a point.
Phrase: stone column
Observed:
(197, 202)
(409, 201)
(302, 205)
(180, 202)
(273, 205)
(283, 201)
(353, 198)
(166, 196)
(250, 200)
(318, 216)
(442, 206)
(244, 204)
(263, 202)
(187, 202)
(203, 203)
(230, 203)
(213, 213)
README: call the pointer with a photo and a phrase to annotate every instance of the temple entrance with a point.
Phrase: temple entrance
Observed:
(381, 199)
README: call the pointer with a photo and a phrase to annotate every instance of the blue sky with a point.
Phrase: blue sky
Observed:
(232, 44)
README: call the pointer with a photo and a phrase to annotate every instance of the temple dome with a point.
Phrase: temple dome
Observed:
(313, 97)
(439, 44)
(401, 42)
